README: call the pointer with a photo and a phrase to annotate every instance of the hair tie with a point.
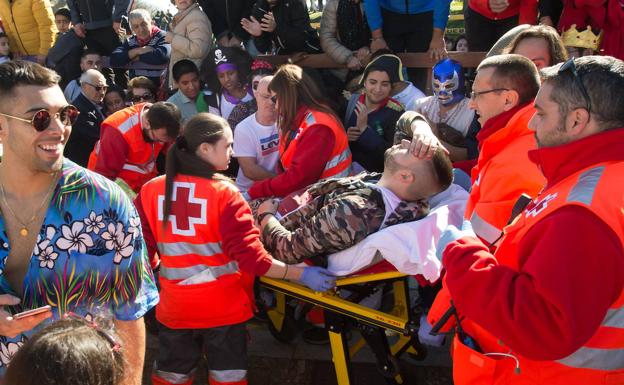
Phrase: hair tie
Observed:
(182, 143)
(258, 64)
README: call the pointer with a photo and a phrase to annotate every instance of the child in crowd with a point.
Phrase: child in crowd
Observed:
(114, 100)
(72, 351)
(62, 19)
(5, 49)
(225, 71)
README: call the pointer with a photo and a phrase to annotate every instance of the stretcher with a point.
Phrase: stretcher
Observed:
(407, 249)
(344, 314)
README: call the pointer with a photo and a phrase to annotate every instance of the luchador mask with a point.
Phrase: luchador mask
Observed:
(448, 81)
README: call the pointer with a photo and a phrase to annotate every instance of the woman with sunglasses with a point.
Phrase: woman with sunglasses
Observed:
(313, 143)
(203, 230)
(225, 71)
(141, 90)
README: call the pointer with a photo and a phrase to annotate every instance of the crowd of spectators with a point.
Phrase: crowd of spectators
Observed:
(136, 86)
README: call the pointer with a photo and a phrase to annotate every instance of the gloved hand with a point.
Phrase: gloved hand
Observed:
(451, 234)
(317, 278)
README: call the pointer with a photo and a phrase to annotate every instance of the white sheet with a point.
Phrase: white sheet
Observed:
(410, 247)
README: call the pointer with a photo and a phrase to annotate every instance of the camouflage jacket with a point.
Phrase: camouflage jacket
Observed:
(341, 213)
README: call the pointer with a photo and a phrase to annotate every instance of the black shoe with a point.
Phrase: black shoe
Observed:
(316, 336)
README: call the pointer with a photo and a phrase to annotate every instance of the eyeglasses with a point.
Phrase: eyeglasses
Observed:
(474, 94)
(41, 119)
(146, 97)
(98, 88)
(115, 345)
(274, 99)
(569, 66)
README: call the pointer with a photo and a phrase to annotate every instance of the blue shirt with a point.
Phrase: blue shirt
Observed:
(440, 9)
(89, 257)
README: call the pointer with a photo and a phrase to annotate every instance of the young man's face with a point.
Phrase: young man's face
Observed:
(188, 84)
(23, 145)
(4, 46)
(548, 124)
(91, 62)
(62, 23)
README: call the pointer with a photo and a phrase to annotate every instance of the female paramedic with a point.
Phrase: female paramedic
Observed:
(209, 249)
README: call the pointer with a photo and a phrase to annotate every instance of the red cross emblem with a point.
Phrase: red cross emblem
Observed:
(540, 206)
(186, 210)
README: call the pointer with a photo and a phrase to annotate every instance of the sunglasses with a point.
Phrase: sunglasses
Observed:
(475, 94)
(569, 66)
(41, 119)
(98, 88)
(143, 98)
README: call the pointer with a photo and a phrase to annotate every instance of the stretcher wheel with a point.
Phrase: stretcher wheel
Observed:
(288, 332)
(391, 368)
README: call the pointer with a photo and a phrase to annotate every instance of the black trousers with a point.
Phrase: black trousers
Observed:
(482, 32)
(409, 33)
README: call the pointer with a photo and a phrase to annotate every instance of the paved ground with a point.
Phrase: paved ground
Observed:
(298, 363)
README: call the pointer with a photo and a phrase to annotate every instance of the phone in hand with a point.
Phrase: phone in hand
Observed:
(32, 312)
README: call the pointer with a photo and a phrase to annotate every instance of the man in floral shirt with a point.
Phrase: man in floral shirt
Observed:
(69, 238)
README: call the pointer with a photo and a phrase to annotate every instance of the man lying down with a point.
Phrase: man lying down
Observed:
(335, 214)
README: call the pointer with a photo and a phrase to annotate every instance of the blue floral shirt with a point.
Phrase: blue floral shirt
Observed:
(89, 257)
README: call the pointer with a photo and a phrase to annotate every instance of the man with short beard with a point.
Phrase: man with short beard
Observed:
(71, 239)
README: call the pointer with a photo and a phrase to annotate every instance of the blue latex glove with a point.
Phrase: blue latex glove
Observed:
(451, 234)
(317, 278)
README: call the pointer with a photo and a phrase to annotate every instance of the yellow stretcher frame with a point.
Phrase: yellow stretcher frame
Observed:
(336, 308)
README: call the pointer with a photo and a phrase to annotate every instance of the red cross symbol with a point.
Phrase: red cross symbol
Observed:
(186, 210)
(540, 206)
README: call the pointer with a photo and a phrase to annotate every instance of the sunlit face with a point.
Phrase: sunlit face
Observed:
(183, 4)
(490, 104)
(377, 86)
(535, 49)
(4, 46)
(188, 84)
(141, 27)
(462, 45)
(62, 23)
(114, 102)
(24, 146)
(266, 107)
(95, 89)
(229, 80)
(91, 62)
(548, 124)
(219, 153)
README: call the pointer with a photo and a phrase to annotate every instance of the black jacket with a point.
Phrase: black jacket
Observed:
(85, 131)
(293, 32)
(225, 16)
(97, 13)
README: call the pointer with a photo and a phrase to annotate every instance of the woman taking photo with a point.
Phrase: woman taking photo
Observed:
(313, 143)
(210, 250)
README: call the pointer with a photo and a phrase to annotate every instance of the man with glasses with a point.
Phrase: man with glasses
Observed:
(130, 141)
(549, 303)
(86, 129)
(70, 238)
(89, 60)
(502, 96)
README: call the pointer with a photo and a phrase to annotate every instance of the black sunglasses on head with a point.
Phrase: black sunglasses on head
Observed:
(569, 66)
(41, 119)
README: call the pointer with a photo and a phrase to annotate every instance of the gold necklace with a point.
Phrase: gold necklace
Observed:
(24, 230)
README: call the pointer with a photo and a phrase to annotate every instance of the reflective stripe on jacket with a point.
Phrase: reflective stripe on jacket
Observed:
(339, 164)
(503, 172)
(600, 361)
(140, 165)
(201, 287)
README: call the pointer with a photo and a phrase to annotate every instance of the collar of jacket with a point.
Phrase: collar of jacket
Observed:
(559, 162)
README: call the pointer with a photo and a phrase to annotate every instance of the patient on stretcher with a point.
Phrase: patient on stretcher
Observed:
(335, 214)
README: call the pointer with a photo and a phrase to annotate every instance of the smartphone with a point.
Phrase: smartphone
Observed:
(32, 312)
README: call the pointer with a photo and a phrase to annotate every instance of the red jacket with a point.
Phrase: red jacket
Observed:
(567, 276)
(307, 164)
(525, 9)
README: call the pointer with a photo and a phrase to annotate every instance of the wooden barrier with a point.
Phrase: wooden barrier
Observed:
(410, 60)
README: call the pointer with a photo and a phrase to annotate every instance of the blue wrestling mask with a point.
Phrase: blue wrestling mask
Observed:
(448, 82)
